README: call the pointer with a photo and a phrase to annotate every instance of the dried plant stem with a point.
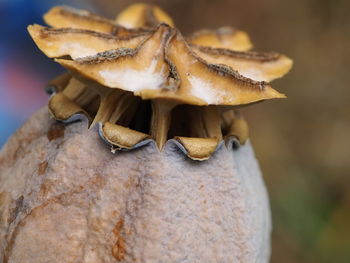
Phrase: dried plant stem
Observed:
(74, 89)
(160, 123)
(211, 122)
(126, 103)
(235, 125)
(205, 122)
(105, 110)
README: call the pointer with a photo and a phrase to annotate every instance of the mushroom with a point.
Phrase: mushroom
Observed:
(180, 182)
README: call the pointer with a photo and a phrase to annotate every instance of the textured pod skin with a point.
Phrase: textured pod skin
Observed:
(65, 198)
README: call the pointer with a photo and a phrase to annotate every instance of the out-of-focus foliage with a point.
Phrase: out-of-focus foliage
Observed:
(302, 143)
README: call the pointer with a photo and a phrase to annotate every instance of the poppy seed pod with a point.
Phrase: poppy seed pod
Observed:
(142, 154)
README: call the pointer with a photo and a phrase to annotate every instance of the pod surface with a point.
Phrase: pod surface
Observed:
(58, 204)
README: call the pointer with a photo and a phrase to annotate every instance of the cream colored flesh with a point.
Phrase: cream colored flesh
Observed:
(214, 84)
(142, 68)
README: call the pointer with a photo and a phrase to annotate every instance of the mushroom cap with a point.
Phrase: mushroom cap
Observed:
(158, 63)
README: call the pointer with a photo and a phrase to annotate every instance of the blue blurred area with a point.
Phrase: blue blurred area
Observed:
(24, 70)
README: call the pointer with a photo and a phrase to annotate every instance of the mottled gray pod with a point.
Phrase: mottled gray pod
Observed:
(64, 197)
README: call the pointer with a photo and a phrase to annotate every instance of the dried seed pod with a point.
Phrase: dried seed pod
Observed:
(65, 198)
(191, 192)
(156, 64)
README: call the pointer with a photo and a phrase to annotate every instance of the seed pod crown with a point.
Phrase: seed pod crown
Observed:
(140, 80)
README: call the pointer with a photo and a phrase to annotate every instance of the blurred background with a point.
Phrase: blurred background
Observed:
(302, 143)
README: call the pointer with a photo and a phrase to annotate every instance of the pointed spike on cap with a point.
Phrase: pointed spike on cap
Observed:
(258, 66)
(77, 43)
(224, 37)
(143, 15)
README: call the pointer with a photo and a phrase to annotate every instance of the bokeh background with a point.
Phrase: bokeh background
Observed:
(302, 143)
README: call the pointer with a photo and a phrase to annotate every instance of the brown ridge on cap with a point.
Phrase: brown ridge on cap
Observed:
(255, 65)
(224, 37)
(109, 55)
(148, 53)
(70, 11)
(45, 31)
(63, 16)
(77, 43)
(249, 55)
(67, 17)
(230, 87)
